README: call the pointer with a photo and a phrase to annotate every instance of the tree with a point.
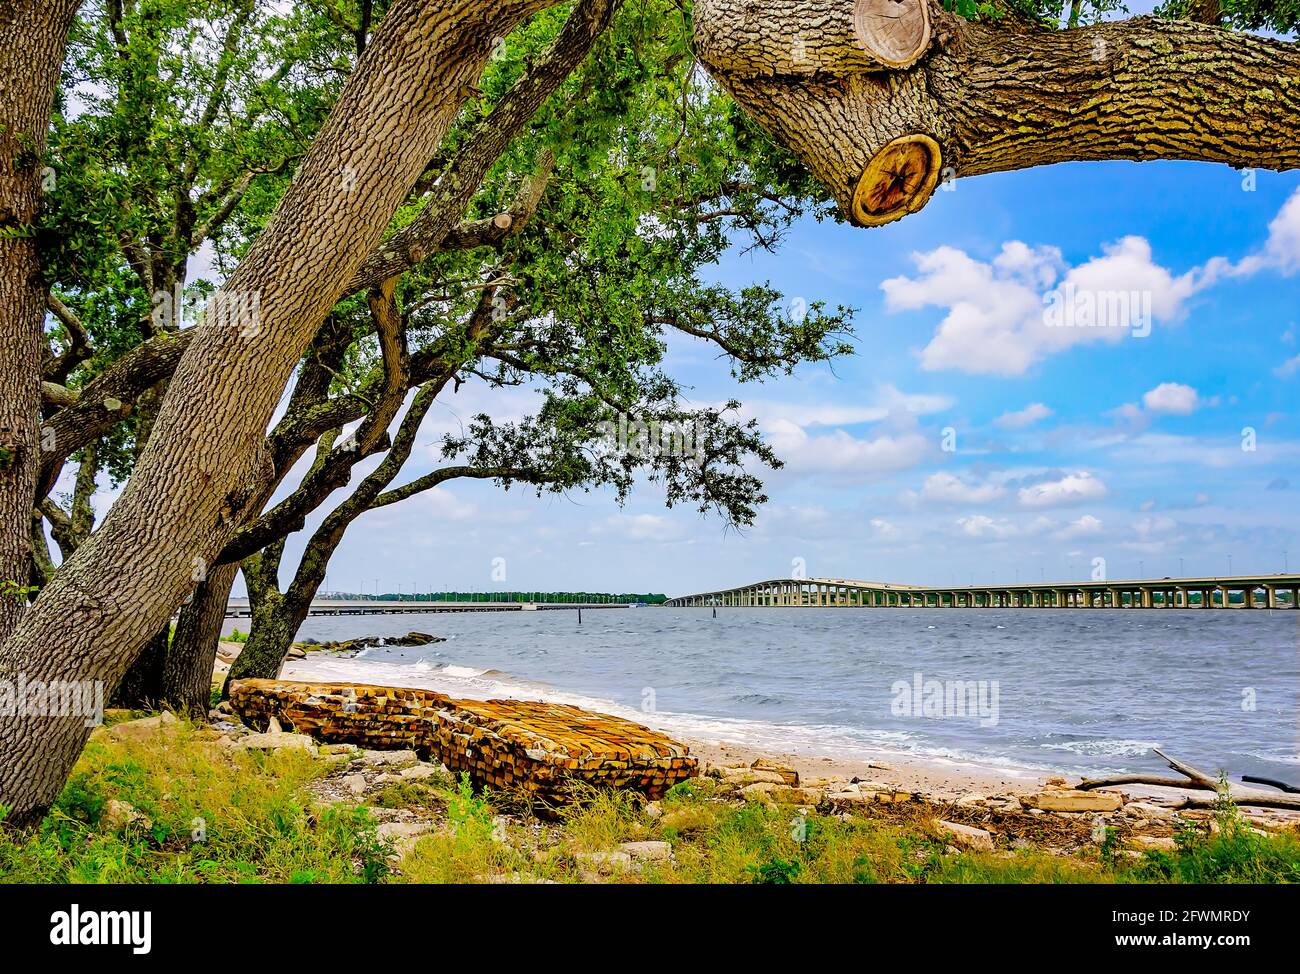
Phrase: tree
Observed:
(33, 34)
(205, 463)
(573, 288)
(884, 99)
(880, 100)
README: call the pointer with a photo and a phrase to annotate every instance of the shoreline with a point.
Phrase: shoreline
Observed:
(907, 772)
(911, 772)
(941, 779)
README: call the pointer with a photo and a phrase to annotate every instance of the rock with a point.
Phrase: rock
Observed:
(1021, 843)
(389, 759)
(1148, 810)
(119, 814)
(647, 851)
(145, 728)
(419, 772)
(748, 776)
(1061, 800)
(789, 776)
(275, 742)
(228, 729)
(403, 835)
(863, 796)
(329, 750)
(604, 863)
(758, 790)
(273, 726)
(361, 642)
(1154, 842)
(512, 879)
(1057, 782)
(794, 796)
(967, 836)
(653, 811)
(296, 652)
(355, 783)
(228, 652)
(861, 784)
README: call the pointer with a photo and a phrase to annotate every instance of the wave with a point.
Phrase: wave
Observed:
(1104, 747)
(821, 740)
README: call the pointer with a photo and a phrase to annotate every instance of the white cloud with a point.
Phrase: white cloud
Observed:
(886, 401)
(1288, 368)
(996, 321)
(1083, 527)
(640, 527)
(1031, 414)
(1074, 488)
(997, 311)
(843, 456)
(986, 528)
(945, 488)
(1281, 250)
(1173, 398)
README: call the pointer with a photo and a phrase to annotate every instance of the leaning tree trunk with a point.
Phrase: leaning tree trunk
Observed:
(277, 617)
(33, 34)
(270, 628)
(206, 457)
(187, 674)
(883, 99)
(141, 686)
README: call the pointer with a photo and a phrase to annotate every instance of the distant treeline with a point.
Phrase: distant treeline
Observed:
(649, 598)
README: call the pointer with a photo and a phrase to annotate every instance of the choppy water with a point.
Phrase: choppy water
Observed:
(1080, 691)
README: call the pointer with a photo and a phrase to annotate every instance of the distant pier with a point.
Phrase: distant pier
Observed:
(239, 608)
(1237, 592)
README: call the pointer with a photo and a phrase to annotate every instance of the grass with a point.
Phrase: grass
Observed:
(234, 817)
(211, 817)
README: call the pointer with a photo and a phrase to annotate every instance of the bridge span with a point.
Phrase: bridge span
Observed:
(1217, 592)
(239, 608)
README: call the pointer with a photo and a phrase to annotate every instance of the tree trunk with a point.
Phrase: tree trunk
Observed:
(270, 633)
(141, 686)
(187, 674)
(277, 617)
(274, 624)
(206, 458)
(880, 123)
(33, 34)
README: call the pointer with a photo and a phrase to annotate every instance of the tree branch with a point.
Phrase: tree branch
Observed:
(463, 176)
(991, 97)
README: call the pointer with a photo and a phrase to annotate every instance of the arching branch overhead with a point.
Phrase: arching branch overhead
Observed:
(883, 99)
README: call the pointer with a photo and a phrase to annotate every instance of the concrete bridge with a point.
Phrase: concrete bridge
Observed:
(238, 608)
(1237, 592)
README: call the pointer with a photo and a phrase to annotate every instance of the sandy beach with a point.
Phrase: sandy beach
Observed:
(906, 772)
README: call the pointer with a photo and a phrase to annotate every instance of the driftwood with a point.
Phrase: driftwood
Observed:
(1194, 778)
(1254, 779)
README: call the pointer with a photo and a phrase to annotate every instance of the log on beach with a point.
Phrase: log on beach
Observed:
(548, 752)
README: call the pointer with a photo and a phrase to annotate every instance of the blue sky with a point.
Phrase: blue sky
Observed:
(966, 441)
(1072, 444)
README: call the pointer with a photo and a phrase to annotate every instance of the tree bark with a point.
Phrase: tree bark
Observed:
(270, 630)
(33, 34)
(206, 459)
(996, 95)
(187, 674)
